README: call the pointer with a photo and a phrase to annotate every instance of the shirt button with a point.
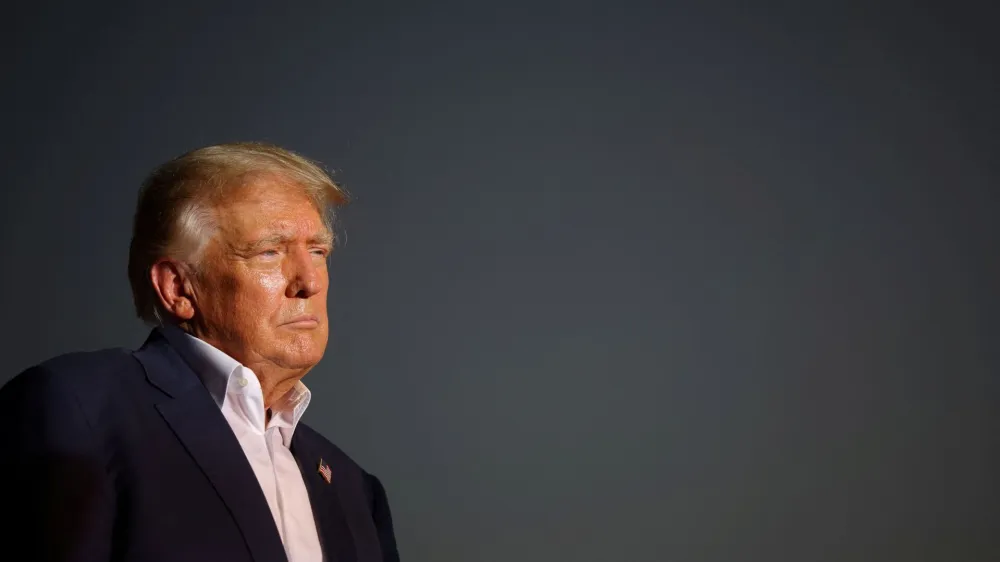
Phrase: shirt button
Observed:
(242, 381)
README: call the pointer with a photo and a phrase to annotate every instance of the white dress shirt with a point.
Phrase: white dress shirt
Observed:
(237, 391)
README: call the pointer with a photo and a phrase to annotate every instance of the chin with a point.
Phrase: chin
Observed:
(294, 349)
(304, 355)
(298, 361)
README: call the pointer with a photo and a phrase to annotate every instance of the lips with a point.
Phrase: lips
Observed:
(302, 321)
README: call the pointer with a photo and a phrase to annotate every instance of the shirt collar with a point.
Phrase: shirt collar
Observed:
(216, 369)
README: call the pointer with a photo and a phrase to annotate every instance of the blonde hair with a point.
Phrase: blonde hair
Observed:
(175, 216)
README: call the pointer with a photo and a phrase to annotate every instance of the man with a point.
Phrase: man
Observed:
(190, 448)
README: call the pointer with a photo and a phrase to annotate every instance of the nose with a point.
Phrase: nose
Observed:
(306, 274)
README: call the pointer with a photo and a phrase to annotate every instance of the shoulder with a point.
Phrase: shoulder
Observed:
(54, 407)
(82, 374)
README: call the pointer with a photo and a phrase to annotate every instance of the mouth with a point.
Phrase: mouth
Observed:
(303, 322)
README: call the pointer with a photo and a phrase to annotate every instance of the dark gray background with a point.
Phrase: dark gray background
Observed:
(620, 283)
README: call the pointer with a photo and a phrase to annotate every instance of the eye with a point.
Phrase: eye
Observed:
(269, 253)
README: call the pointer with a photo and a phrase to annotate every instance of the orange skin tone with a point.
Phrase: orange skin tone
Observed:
(260, 289)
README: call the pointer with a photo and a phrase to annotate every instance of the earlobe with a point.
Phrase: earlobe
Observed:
(183, 309)
(172, 289)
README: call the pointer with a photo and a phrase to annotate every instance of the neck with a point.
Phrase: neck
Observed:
(275, 382)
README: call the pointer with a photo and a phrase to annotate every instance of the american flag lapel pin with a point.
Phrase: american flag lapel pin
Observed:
(325, 472)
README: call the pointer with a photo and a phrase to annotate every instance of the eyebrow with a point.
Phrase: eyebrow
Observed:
(319, 239)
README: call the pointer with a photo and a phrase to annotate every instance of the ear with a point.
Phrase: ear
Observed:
(171, 282)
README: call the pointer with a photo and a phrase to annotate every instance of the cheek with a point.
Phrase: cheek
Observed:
(269, 289)
(258, 296)
(270, 282)
(225, 294)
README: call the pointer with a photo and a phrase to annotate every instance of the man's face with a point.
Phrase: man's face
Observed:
(260, 289)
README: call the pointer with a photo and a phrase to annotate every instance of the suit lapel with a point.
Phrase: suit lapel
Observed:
(200, 426)
(331, 524)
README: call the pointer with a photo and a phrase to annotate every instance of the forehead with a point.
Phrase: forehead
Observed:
(266, 206)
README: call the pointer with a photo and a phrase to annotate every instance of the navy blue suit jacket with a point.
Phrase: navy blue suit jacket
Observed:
(123, 455)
